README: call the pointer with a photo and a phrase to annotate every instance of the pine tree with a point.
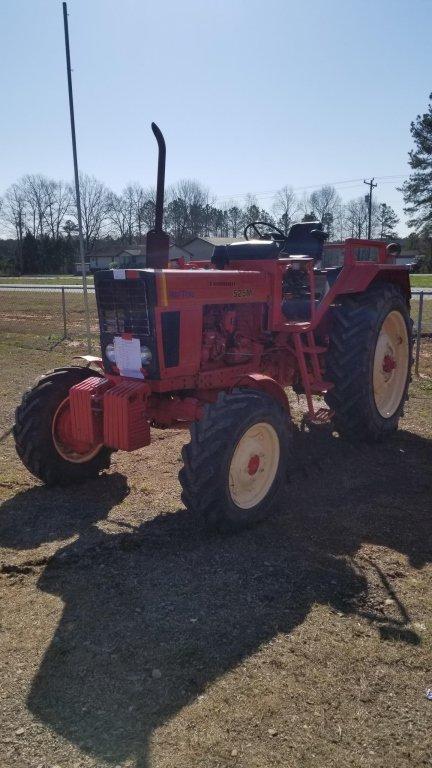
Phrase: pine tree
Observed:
(417, 190)
(387, 221)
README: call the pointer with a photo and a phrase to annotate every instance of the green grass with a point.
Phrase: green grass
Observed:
(421, 281)
(45, 279)
(417, 281)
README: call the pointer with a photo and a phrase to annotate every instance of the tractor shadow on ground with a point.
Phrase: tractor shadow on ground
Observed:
(153, 617)
(41, 515)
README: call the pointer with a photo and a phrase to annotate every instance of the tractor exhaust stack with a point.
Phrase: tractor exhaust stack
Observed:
(157, 239)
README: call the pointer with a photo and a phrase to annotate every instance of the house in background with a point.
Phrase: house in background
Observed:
(134, 256)
(408, 258)
(201, 248)
(176, 253)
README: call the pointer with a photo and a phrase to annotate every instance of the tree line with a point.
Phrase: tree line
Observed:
(39, 214)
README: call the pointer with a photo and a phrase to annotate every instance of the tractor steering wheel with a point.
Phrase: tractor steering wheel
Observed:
(274, 232)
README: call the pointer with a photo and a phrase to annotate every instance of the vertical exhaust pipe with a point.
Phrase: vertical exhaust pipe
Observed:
(157, 249)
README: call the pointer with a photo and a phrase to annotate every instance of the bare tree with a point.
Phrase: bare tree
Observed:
(185, 215)
(58, 205)
(305, 206)
(13, 214)
(37, 195)
(139, 197)
(356, 217)
(324, 203)
(339, 222)
(285, 206)
(116, 215)
(94, 204)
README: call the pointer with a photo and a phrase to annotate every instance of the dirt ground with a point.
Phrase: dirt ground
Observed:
(129, 637)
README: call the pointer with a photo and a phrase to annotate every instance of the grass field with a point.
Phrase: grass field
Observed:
(46, 279)
(417, 281)
(34, 319)
(421, 281)
(130, 638)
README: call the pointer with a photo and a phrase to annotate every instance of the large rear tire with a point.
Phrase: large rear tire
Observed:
(369, 362)
(236, 462)
(43, 448)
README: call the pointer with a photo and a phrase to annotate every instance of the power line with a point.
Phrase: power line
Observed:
(356, 184)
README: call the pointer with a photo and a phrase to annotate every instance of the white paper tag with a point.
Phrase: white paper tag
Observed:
(127, 354)
(119, 274)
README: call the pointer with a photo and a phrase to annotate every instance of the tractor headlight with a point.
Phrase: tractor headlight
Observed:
(109, 352)
(145, 352)
(146, 356)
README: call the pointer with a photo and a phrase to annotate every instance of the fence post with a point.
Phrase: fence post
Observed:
(64, 312)
(419, 330)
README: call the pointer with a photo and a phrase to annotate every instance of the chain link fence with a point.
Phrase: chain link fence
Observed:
(41, 316)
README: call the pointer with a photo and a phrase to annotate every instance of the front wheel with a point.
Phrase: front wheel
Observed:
(236, 462)
(43, 434)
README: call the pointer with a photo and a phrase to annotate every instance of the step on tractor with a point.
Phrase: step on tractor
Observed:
(213, 346)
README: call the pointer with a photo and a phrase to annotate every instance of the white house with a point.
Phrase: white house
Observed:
(408, 258)
(133, 256)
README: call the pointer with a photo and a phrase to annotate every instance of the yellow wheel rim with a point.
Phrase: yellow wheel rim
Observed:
(66, 445)
(254, 465)
(390, 368)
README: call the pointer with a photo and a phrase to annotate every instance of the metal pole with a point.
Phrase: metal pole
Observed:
(419, 328)
(77, 189)
(370, 185)
(63, 297)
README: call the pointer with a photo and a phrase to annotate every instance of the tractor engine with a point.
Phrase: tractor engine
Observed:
(229, 334)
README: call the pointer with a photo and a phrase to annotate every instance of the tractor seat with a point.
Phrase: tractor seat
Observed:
(306, 237)
(249, 250)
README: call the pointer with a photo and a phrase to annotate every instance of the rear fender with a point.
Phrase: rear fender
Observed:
(265, 384)
(397, 277)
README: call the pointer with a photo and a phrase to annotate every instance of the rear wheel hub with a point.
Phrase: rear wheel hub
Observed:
(254, 465)
(390, 367)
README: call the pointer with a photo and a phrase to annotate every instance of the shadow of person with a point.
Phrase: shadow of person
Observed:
(41, 515)
(154, 617)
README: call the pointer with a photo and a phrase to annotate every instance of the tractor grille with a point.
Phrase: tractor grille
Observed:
(123, 307)
(127, 306)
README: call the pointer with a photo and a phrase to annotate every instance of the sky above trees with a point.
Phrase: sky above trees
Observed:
(251, 98)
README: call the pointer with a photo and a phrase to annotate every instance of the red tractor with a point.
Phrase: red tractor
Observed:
(213, 346)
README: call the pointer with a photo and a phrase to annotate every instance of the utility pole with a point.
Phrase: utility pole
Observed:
(77, 188)
(371, 185)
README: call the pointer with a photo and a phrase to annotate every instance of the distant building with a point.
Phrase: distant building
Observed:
(176, 253)
(201, 248)
(408, 258)
(134, 256)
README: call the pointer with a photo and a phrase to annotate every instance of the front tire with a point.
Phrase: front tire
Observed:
(236, 462)
(369, 362)
(43, 449)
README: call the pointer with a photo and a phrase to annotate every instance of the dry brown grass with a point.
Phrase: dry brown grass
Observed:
(130, 638)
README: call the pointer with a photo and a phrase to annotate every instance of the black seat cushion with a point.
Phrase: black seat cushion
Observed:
(245, 251)
(306, 238)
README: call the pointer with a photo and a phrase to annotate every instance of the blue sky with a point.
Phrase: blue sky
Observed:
(251, 95)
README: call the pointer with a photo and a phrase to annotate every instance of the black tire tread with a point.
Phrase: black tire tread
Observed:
(354, 326)
(38, 453)
(199, 476)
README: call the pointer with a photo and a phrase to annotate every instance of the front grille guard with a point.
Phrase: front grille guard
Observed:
(126, 306)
